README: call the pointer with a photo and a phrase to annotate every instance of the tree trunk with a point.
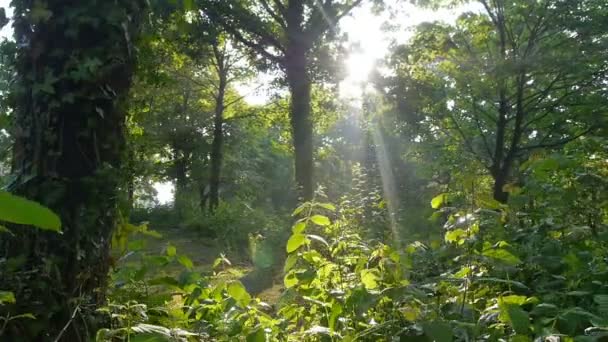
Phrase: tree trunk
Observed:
(300, 115)
(74, 74)
(218, 138)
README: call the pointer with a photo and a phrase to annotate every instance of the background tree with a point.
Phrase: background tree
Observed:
(504, 83)
(285, 34)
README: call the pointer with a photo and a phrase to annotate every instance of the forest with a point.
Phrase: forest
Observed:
(303, 170)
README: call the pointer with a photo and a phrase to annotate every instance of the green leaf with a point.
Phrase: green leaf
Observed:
(7, 297)
(257, 336)
(298, 227)
(502, 255)
(457, 235)
(300, 209)
(171, 251)
(290, 280)
(5, 230)
(290, 262)
(237, 291)
(186, 262)
(438, 331)
(438, 200)
(519, 319)
(320, 220)
(327, 206)
(295, 241)
(15, 209)
(369, 279)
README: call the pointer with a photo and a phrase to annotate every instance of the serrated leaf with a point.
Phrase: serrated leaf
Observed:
(320, 220)
(295, 241)
(15, 209)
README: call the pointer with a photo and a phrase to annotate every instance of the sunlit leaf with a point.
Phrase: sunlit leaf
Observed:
(15, 209)
(369, 279)
(237, 291)
(320, 220)
(7, 297)
(295, 241)
(298, 227)
(438, 200)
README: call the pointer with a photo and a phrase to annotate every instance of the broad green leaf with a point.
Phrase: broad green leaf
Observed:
(438, 200)
(369, 279)
(298, 227)
(300, 209)
(186, 262)
(15, 209)
(519, 319)
(438, 331)
(336, 310)
(237, 291)
(257, 336)
(295, 241)
(320, 220)
(502, 255)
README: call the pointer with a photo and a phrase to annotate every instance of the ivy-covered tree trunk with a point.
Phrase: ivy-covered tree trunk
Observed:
(74, 64)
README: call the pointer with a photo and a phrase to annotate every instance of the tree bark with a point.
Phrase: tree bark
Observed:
(218, 134)
(300, 115)
(74, 75)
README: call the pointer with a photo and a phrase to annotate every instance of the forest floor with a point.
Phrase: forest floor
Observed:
(203, 252)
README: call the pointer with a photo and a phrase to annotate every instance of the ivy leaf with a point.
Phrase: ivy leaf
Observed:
(295, 241)
(15, 209)
(320, 220)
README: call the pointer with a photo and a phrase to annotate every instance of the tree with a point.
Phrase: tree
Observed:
(285, 34)
(74, 63)
(504, 83)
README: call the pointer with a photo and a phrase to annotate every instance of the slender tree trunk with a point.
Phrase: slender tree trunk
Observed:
(301, 124)
(218, 136)
(69, 144)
